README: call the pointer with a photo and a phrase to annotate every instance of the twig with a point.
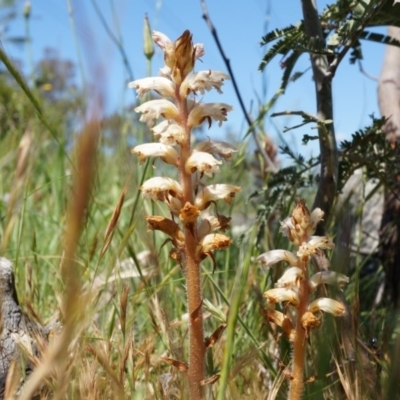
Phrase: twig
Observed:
(307, 118)
(301, 113)
(367, 74)
(226, 60)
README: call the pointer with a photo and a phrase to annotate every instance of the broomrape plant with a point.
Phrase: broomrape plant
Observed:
(295, 287)
(191, 231)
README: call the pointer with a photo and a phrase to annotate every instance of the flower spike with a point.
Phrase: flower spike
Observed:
(191, 230)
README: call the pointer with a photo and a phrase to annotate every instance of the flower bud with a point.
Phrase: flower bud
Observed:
(148, 47)
(27, 9)
(184, 57)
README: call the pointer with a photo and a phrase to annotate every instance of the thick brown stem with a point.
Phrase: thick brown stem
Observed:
(297, 382)
(389, 104)
(324, 198)
(197, 349)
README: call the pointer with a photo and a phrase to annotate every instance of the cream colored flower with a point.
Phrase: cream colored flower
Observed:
(209, 112)
(314, 244)
(274, 256)
(211, 193)
(222, 149)
(198, 50)
(321, 242)
(163, 86)
(165, 71)
(210, 224)
(169, 132)
(161, 40)
(286, 225)
(167, 153)
(207, 225)
(290, 278)
(202, 162)
(327, 277)
(203, 81)
(315, 217)
(158, 188)
(327, 305)
(153, 109)
(210, 243)
(279, 295)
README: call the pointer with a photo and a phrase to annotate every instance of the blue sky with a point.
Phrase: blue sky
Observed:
(240, 25)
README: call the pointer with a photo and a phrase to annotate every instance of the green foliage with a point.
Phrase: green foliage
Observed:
(369, 149)
(344, 23)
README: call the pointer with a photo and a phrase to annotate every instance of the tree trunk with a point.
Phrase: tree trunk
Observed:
(389, 104)
(16, 330)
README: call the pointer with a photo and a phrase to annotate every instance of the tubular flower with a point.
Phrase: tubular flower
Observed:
(203, 81)
(210, 224)
(158, 188)
(290, 278)
(153, 109)
(314, 244)
(279, 295)
(162, 86)
(212, 242)
(208, 111)
(221, 149)
(167, 226)
(202, 162)
(274, 256)
(215, 192)
(327, 305)
(327, 277)
(315, 217)
(169, 132)
(167, 153)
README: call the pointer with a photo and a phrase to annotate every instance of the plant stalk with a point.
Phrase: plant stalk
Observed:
(297, 382)
(197, 350)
